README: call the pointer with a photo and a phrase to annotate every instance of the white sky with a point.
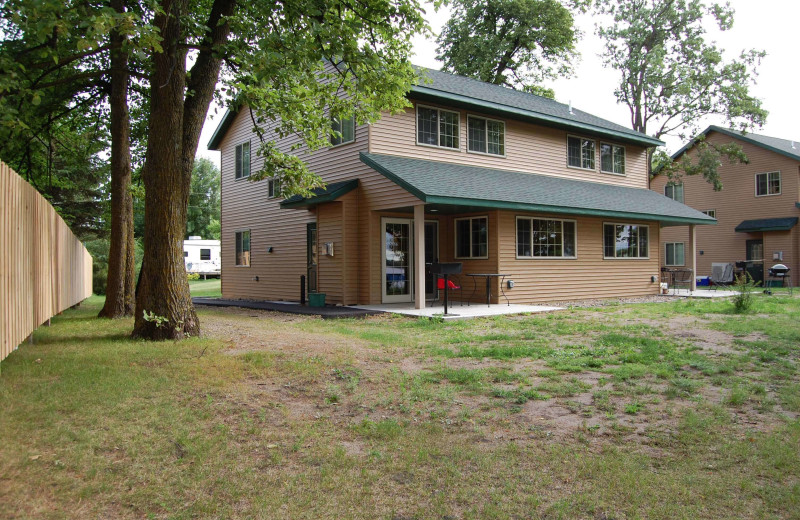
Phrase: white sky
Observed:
(770, 25)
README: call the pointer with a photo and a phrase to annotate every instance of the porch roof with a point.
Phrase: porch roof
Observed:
(767, 224)
(331, 191)
(438, 183)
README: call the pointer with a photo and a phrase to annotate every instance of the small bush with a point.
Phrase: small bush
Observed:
(743, 299)
(193, 276)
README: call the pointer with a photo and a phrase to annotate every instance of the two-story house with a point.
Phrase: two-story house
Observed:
(757, 210)
(500, 180)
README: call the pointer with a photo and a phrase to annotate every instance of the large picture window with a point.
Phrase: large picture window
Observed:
(472, 237)
(768, 184)
(243, 160)
(673, 253)
(580, 153)
(545, 238)
(612, 158)
(486, 136)
(437, 127)
(674, 191)
(346, 128)
(625, 241)
(243, 248)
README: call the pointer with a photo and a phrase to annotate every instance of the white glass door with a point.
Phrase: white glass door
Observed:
(396, 256)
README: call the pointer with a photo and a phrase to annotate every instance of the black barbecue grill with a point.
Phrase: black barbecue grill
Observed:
(779, 272)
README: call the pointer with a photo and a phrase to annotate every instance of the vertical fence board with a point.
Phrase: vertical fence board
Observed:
(44, 268)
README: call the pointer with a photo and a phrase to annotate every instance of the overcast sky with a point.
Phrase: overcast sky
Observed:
(769, 25)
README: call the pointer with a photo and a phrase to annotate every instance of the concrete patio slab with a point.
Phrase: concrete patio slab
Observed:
(700, 293)
(458, 312)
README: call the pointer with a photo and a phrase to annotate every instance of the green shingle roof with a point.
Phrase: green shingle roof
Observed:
(767, 224)
(327, 193)
(455, 184)
(471, 93)
(783, 147)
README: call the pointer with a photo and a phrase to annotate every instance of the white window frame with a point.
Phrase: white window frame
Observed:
(438, 128)
(235, 252)
(780, 184)
(237, 164)
(273, 188)
(353, 140)
(485, 119)
(455, 238)
(624, 158)
(666, 256)
(710, 212)
(594, 161)
(673, 186)
(615, 249)
(531, 219)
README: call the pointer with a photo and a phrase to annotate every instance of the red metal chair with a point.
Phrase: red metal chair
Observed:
(452, 285)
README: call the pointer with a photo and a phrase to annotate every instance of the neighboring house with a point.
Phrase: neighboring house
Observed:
(500, 180)
(757, 210)
(202, 256)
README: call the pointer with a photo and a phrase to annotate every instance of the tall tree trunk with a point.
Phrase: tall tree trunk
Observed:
(118, 298)
(163, 304)
(130, 262)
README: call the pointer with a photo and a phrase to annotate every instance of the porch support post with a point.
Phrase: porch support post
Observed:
(419, 256)
(693, 255)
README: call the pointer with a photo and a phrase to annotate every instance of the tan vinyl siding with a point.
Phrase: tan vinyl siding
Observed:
(529, 148)
(737, 202)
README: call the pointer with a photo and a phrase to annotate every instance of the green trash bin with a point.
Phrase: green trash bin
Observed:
(316, 299)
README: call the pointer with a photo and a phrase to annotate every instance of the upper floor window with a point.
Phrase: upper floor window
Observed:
(486, 135)
(545, 238)
(436, 127)
(243, 160)
(274, 188)
(346, 129)
(243, 248)
(472, 237)
(710, 212)
(580, 153)
(625, 241)
(612, 158)
(674, 191)
(768, 184)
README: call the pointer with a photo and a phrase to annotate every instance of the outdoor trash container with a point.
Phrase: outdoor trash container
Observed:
(316, 299)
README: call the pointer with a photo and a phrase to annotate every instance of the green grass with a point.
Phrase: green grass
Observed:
(211, 288)
(395, 418)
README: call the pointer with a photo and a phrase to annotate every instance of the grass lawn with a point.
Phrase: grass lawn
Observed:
(211, 288)
(671, 410)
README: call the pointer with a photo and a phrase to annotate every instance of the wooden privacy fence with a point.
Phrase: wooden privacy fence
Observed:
(44, 268)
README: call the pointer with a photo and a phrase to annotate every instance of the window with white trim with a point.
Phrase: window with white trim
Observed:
(710, 212)
(673, 253)
(580, 152)
(243, 248)
(486, 135)
(273, 188)
(472, 237)
(545, 238)
(243, 160)
(345, 129)
(768, 184)
(612, 158)
(437, 127)
(674, 192)
(625, 241)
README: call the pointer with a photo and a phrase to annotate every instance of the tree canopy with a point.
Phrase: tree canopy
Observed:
(204, 210)
(515, 43)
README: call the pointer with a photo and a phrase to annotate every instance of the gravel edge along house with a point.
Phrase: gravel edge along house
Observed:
(500, 180)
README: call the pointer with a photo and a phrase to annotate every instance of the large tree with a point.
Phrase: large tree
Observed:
(515, 43)
(672, 78)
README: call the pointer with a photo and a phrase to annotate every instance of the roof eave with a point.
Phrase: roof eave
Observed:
(222, 128)
(307, 202)
(735, 135)
(429, 94)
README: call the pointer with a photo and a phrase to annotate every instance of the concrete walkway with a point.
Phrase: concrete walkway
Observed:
(458, 311)
(701, 293)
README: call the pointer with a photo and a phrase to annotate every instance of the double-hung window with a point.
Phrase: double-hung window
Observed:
(673, 253)
(436, 127)
(768, 184)
(486, 136)
(625, 241)
(710, 212)
(545, 238)
(674, 191)
(612, 158)
(580, 153)
(243, 248)
(274, 188)
(345, 130)
(472, 237)
(243, 160)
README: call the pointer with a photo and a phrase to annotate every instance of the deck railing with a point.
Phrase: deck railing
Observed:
(44, 268)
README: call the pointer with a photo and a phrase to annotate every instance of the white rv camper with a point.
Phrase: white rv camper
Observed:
(202, 256)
